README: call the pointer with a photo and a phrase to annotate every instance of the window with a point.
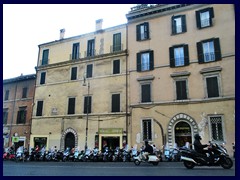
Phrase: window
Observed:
(216, 126)
(91, 48)
(6, 95)
(142, 31)
(42, 80)
(179, 56)
(21, 116)
(212, 86)
(75, 51)
(209, 50)
(115, 102)
(74, 73)
(24, 92)
(146, 93)
(117, 42)
(71, 106)
(87, 104)
(39, 108)
(116, 66)
(5, 116)
(89, 70)
(147, 129)
(204, 18)
(179, 24)
(181, 89)
(145, 61)
(45, 56)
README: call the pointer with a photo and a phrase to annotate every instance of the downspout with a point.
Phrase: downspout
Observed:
(127, 83)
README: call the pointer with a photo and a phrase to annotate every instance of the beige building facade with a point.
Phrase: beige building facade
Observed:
(81, 90)
(181, 73)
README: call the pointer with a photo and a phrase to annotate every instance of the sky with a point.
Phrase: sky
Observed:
(25, 26)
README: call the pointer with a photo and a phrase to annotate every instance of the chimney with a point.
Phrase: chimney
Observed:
(99, 24)
(62, 32)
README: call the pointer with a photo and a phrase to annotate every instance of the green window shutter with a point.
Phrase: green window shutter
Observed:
(184, 24)
(200, 53)
(138, 62)
(171, 57)
(151, 56)
(217, 49)
(186, 55)
(198, 20)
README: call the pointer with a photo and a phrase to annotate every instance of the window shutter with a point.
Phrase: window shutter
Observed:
(138, 35)
(74, 73)
(39, 108)
(19, 117)
(181, 90)
(217, 49)
(138, 62)
(151, 56)
(89, 70)
(116, 103)
(184, 25)
(171, 56)
(200, 53)
(173, 25)
(212, 87)
(24, 116)
(71, 106)
(146, 93)
(86, 105)
(116, 66)
(186, 55)
(146, 30)
(42, 81)
(211, 12)
(45, 56)
(198, 20)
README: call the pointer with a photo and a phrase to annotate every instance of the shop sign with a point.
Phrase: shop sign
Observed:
(15, 139)
(110, 130)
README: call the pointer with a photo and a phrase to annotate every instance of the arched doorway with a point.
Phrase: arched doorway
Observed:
(182, 133)
(69, 140)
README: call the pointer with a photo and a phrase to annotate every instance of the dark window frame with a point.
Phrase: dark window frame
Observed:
(199, 20)
(150, 61)
(91, 48)
(75, 51)
(71, 105)
(43, 78)
(211, 89)
(181, 89)
(145, 32)
(117, 42)
(45, 57)
(6, 97)
(172, 56)
(89, 70)
(89, 109)
(116, 66)
(147, 129)
(22, 115)
(24, 92)
(183, 24)
(116, 103)
(217, 51)
(39, 111)
(74, 73)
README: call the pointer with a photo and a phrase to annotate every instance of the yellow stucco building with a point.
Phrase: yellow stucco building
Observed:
(182, 73)
(80, 97)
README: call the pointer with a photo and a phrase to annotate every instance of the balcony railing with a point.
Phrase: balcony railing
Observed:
(90, 53)
(116, 48)
(209, 57)
(75, 56)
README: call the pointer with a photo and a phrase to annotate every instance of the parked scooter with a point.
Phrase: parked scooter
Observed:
(192, 158)
(21, 154)
(152, 158)
(9, 154)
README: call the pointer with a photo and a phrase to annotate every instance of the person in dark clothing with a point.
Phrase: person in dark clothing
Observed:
(199, 147)
(147, 150)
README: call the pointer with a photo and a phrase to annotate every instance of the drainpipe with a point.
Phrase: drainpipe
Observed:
(127, 84)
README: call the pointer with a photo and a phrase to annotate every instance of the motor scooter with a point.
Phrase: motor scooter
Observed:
(152, 158)
(219, 157)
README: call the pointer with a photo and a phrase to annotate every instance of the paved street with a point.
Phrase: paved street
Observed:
(109, 169)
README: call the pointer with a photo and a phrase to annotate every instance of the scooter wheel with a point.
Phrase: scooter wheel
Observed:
(155, 163)
(137, 162)
(226, 163)
(188, 164)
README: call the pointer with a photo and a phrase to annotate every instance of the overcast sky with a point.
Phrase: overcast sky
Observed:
(25, 26)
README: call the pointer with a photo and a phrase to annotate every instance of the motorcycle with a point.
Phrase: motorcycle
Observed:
(152, 158)
(9, 154)
(66, 154)
(21, 154)
(95, 154)
(219, 157)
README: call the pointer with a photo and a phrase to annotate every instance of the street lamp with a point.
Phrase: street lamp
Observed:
(88, 85)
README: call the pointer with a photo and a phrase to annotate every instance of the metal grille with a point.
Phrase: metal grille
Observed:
(217, 129)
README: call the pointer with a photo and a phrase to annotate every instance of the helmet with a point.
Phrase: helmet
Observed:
(146, 142)
(198, 137)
